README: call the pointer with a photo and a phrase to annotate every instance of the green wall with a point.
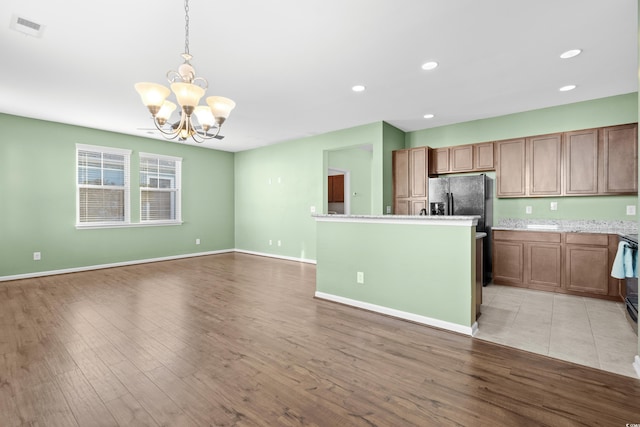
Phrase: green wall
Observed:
(277, 185)
(38, 199)
(401, 272)
(583, 115)
(358, 162)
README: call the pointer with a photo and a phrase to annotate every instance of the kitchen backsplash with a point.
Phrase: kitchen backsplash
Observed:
(612, 226)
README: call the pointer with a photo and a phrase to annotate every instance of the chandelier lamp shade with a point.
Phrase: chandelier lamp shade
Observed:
(198, 122)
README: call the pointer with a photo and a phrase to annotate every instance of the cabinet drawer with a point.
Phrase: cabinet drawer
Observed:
(527, 236)
(587, 239)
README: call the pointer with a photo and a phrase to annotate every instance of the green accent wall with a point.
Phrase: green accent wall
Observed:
(610, 111)
(38, 199)
(357, 162)
(277, 185)
(401, 270)
(243, 200)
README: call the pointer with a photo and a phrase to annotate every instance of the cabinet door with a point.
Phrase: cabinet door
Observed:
(544, 162)
(461, 158)
(543, 261)
(440, 160)
(401, 173)
(510, 171)
(417, 205)
(581, 162)
(620, 159)
(401, 206)
(418, 169)
(508, 263)
(483, 157)
(586, 269)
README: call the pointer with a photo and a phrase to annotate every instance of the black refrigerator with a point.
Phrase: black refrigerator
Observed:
(465, 195)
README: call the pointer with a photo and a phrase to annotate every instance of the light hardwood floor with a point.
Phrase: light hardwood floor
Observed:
(236, 339)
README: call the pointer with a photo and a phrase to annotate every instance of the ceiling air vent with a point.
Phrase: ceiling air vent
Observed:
(26, 26)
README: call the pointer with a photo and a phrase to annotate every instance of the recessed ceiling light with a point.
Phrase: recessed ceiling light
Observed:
(429, 65)
(567, 88)
(571, 53)
(429, 116)
(358, 88)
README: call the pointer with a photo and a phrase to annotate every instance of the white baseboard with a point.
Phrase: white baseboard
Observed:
(636, 365)
(101, 266)
(429, 321)
(288, 258)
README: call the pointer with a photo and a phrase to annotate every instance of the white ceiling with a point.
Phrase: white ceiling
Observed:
(290, 64)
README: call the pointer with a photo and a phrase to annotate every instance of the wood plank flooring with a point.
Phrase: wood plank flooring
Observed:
(236, 339)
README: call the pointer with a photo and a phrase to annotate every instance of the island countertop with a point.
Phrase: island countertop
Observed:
(461, 220)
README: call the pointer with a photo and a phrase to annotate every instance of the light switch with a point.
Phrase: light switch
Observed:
(553, 206)
(528, 209)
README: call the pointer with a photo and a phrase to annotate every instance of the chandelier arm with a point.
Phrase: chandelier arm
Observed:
(167, 134)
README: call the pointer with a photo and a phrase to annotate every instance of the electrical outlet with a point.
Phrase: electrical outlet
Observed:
(360, 277)
(270, 242)
(279, 242)
(312, 209)
(197, 241)
(528, 209)
(388, 209)
(36, 256)
(631, 209)
(553, 206)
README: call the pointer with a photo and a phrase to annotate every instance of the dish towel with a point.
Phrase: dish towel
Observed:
(625, 262)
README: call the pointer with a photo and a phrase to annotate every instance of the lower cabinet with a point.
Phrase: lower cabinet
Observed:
(575, 263)
(544, 267)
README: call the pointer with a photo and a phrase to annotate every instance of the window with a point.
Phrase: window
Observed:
(160, 188)
(102, 196)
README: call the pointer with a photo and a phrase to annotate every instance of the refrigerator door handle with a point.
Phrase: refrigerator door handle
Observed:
(450, 201)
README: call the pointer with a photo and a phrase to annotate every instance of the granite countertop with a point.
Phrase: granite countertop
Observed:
(568, 226)
(456, 220)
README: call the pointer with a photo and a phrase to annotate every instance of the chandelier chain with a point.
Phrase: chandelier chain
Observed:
(186, 26)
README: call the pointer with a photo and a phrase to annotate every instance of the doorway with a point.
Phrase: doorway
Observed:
(338, 183)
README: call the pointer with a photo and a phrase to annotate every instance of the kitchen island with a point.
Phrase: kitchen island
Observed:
(418, 268)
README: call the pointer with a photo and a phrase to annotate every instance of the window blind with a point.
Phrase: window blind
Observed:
(102, 185)
(160, 185)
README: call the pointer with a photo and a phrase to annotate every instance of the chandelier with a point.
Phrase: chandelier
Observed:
(188, 90)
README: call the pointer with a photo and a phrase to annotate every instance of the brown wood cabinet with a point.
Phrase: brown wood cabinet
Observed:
(511, 168)
(527, 259)
(440, 160)
(620, 159)
(544, 165)
(588, 162)
(410, 180)
(463, 158)
(335, 188)
(529, 167)
(483, 157)
(574, 263)
(581, 162)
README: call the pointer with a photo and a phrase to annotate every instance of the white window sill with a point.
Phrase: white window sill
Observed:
(89, 226)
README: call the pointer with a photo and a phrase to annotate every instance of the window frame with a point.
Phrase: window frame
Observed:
(126, 187)
(177, 179)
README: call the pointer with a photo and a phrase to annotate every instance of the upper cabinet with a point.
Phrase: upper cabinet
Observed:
(544, 162)
(510, 171)
(410, 176)
(619, 159)
(581, 162)
(463, 158)
(590, 162)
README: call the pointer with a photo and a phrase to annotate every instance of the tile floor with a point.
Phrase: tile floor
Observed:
(586, 331)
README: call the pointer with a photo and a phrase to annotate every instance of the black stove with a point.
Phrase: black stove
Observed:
(631, 300)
